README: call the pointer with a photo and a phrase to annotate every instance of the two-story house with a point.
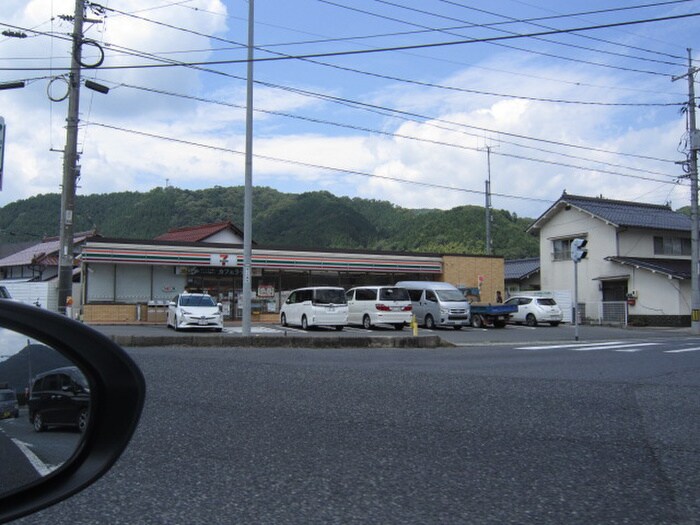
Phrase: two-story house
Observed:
(638, 256)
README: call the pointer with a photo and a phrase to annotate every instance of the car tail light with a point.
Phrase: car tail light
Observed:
(407, 308)
(382, 307)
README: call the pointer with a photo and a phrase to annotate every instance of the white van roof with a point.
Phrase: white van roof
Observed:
(425, 285)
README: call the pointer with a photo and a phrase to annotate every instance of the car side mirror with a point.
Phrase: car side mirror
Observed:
(106, 421)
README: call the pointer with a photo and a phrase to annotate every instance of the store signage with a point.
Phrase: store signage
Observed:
(222, 260)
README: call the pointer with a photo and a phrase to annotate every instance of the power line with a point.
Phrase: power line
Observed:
(409, 137)
(313, 166)
(355, 172)
(355, 52)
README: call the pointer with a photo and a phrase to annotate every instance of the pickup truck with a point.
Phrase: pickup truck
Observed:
(487, 315)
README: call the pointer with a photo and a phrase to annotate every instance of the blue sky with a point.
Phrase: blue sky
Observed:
(590, 112)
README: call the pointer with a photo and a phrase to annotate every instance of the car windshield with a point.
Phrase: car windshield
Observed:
(330, 296)
(196, 300)
(547, 301)
(393, 294)
(450, 295)
(7, 396)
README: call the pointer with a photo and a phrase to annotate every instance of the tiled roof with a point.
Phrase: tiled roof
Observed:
(518, 269)
(620, 213)
(45, 253)
(677, 268)
(196, 233)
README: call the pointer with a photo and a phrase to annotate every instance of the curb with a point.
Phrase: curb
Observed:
(263, 341)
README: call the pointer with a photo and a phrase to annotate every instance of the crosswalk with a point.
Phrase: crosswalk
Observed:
(613, 346)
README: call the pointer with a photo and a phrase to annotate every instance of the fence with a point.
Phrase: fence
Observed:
(603, 313)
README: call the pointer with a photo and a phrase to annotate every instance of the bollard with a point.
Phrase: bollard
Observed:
(414, 325)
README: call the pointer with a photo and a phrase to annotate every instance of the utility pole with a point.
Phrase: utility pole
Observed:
(70, 165)
(487, 193)
(694, 142)
(248, 189)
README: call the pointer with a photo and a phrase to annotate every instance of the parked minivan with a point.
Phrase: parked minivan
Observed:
(372, 305)
(59, 398)
(315, 306)
(437, 304)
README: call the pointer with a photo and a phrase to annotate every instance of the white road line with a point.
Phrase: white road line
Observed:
(42, 468)
(680, 350)
(616, 346)
(573, 345)
(630, 347)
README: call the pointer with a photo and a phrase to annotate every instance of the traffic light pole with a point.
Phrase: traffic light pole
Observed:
(575, 309)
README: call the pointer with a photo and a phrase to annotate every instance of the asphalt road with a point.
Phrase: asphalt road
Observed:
(507, 433)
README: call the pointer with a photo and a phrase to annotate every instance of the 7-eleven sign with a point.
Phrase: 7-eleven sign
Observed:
(222, 260)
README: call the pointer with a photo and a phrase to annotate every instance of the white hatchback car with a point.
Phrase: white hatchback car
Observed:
(195, 310)
(534, 309)
(372, 305)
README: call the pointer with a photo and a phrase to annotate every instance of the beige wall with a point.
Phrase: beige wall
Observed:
(466, 269)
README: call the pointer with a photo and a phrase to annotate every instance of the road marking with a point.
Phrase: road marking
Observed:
(573, 345)
(43, 469)
(680, 350)
(616, 346)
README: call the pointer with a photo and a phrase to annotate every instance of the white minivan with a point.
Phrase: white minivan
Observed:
(437, 304)
(315, 306)
(372, 305)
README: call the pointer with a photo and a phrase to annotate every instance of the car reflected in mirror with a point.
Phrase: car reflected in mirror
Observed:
(40, 390)
(70, 400)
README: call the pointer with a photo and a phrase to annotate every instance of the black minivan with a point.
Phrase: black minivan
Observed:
(59, 398)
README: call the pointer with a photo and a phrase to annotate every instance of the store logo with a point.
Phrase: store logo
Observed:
(222, 260)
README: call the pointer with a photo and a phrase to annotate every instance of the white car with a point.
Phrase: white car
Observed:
(534, 309)
(372, 305)
(195, 310)
(315, 306)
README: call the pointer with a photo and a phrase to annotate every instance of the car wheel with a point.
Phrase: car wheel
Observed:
(531, 320)
(175, 326)
(283, 320)
(554, 323)
(429, 322)
(82, 420)
(304, 323)
(366, 322)
(398, 326)
(476, 321)
(38, 423)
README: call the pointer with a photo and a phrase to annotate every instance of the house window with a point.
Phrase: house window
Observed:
(671, 245)
(561, 249)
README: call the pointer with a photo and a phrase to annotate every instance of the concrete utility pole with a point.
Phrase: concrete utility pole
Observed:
(248, 190)
(70, 166)
(489, 242)
(694, 142)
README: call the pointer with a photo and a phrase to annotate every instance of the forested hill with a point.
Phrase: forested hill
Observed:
(308, 220)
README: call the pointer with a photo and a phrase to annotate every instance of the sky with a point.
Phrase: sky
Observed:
(415, 102)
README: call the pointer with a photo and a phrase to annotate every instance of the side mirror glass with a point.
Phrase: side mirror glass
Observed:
(74, 399)
(44, 409)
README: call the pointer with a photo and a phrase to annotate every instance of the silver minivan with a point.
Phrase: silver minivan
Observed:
(373, 305)
(437, 304)
(315, 306)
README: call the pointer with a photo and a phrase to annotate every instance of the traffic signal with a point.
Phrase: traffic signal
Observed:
(578, 249)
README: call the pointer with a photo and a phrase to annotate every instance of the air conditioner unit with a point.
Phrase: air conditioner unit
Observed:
(632, 294)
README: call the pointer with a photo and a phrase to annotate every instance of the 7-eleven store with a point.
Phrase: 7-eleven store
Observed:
(126, 281)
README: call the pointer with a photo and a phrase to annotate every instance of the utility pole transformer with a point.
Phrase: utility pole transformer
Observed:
(694, 144)
(70, 166)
